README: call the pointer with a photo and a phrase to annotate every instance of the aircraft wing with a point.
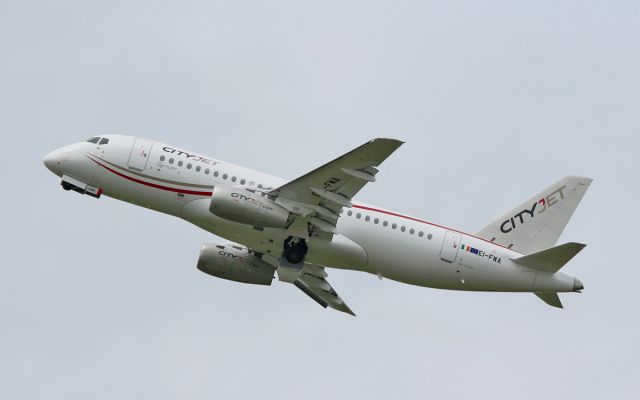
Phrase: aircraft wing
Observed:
(319, 195)
(313, 283)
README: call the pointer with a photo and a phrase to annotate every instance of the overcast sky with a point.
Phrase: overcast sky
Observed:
(496, 100)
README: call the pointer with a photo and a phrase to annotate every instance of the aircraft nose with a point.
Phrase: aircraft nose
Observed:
(52, 161)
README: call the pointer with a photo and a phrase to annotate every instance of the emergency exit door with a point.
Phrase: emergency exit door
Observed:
(450, 246)
(140, 154)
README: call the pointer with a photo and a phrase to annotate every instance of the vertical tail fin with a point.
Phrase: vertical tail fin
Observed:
(538, 222)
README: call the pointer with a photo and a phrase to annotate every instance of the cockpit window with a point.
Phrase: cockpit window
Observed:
(104, 141)
(93, 139)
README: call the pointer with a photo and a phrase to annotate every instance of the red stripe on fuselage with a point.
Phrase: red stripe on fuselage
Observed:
(153, 185)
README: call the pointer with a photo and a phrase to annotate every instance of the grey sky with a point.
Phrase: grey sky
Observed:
(495, 99)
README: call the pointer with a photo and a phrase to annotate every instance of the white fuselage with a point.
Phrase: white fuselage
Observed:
(398, 247)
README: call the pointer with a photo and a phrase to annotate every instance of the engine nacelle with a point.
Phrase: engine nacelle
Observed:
(235, 264)
(245, 207)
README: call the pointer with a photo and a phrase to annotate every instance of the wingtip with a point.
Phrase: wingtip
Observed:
(389, 140)
(344, 308)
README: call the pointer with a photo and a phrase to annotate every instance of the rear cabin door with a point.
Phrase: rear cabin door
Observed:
(450, 246)
(140, 154)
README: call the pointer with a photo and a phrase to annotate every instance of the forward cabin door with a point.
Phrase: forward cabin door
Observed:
(450, 246)
(140, 154)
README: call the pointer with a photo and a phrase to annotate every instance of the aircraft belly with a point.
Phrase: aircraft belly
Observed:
(417, 261)
(341, 252)
(395, 256)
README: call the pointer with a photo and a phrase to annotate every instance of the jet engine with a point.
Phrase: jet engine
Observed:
(247, 207)
(234, 263)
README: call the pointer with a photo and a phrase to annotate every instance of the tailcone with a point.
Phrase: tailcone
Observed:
(577, 285)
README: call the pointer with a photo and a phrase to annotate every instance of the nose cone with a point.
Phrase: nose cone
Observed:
(52, 161)
(577, 285)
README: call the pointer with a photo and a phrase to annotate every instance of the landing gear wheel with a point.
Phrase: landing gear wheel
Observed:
(295, 249)
(294, 256)
(66, 185)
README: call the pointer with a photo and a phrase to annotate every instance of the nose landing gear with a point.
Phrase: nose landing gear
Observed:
(69, 183)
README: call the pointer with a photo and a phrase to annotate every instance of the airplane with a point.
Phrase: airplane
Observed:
(299, 228)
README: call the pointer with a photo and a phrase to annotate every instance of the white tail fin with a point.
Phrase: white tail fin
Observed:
(538, 222)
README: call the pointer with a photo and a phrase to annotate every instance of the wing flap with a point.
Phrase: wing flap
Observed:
(313, 284)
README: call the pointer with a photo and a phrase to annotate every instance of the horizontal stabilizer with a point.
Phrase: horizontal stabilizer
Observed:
(550, 260)
(551, 299)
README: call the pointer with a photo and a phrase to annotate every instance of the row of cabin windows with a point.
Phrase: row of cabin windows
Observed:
(386, 223)
(207, 171)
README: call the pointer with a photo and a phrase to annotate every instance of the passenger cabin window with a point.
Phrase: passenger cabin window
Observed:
(93, 139)
(104, 141)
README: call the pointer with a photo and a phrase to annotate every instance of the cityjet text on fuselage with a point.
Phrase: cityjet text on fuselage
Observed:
(189, 156)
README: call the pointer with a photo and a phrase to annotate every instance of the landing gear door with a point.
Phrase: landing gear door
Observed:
(140, 154)
(450, 246)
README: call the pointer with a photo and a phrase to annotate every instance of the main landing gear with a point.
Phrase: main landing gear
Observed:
(295, 249)
(292, 261)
